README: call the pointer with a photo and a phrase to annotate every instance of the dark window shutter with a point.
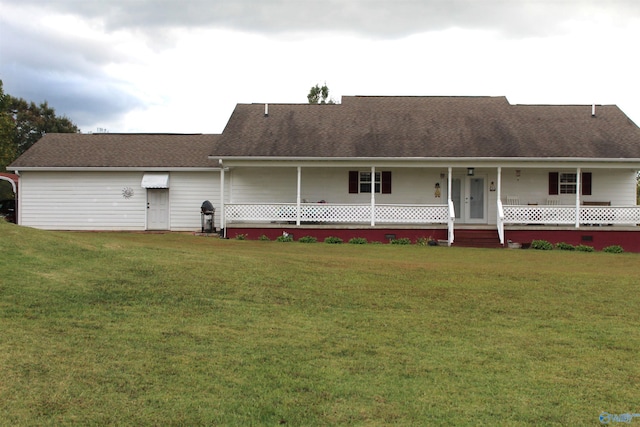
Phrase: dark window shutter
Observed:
(586, 183)
(386, 182)
(353, 181)
(553, 183)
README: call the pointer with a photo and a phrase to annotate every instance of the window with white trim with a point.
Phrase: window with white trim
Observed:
(365, 183)
(568, 183)
(565, 183)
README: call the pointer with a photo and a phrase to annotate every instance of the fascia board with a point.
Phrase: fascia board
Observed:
(427, 162)
(111, 169)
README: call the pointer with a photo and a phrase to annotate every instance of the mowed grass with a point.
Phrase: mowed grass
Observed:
(174, 329)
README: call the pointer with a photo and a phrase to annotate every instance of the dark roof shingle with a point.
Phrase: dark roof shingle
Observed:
(428, 127)
(119, 150)
(362, 127)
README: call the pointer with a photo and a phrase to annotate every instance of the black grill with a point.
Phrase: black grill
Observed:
(207, 216)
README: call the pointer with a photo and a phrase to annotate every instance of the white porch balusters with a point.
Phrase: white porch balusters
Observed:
(451, 219)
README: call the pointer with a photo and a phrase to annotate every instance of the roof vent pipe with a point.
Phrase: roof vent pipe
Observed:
(593, 110)
(266, 110)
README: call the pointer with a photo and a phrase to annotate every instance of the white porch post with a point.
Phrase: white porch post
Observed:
(298, 197)
(223, 217)
(373, 195)
(449, 184)
(578, 173)
(450, 232)
(499, 184)
(500, 213)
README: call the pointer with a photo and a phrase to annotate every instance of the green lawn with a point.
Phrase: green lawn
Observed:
(174, 329)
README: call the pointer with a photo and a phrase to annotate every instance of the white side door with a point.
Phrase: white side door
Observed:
(157, 209)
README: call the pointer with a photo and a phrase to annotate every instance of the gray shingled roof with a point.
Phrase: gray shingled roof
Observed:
(366, 127)
(119, 150)
(428, 127)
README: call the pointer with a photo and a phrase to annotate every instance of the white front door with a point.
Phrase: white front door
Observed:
(475, 204)
(157, 209)
(468, 196)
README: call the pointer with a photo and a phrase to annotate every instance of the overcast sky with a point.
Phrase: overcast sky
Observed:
(182, 65)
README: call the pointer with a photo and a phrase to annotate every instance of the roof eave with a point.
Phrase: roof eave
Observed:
(112, 169)
(446, 160)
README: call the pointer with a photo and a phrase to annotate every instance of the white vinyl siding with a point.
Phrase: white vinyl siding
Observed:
(263, 185)
(82, 201)
(279, 185)
(95, 201)
(608, 185)
(188, 191)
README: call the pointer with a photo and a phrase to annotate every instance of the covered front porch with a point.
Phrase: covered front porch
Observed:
(527, 217)
(436, 198)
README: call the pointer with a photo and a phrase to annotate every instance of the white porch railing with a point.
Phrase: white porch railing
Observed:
(425, 214)
(336, 213)
(515, 214)
(411, 214)
(621, 215)
(592, 215)
(452, 219)
(501, 222)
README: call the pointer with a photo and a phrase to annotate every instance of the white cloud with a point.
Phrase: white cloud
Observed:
(194, 86)
(185, 73)
(373, 18)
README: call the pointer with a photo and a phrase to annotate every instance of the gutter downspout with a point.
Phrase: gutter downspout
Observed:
(18, 199)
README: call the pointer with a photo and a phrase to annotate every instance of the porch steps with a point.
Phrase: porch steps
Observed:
(477, 238)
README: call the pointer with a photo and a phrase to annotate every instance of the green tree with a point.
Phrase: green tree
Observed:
(319, 95)
(33, 121)
(22, 123)
(7, 132)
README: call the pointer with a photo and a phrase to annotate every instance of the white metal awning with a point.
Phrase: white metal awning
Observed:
(155, 180)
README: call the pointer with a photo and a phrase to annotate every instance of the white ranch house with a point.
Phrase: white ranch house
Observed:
(370, 166)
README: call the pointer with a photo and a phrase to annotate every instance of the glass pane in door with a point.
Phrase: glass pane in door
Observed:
(476, 198)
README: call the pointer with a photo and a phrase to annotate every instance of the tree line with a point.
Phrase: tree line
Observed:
(23, 122)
